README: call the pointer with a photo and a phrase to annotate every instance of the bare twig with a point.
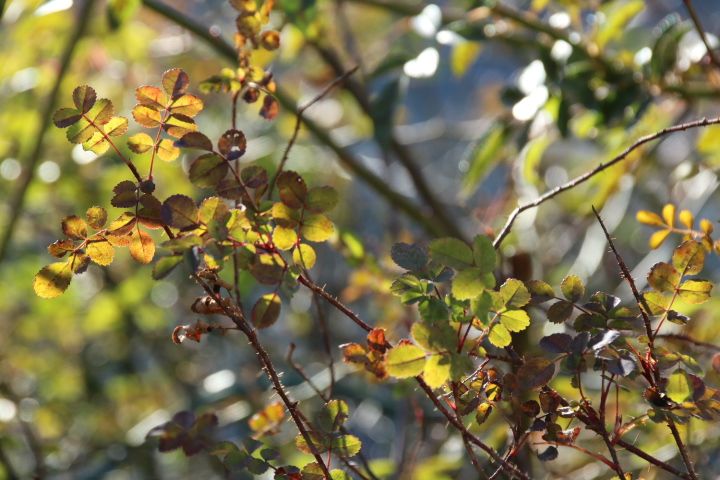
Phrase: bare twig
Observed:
(688, 339)
(683, 450)
(298, 123)
(649, 458)
(703, 122)
(701, 31)
(15, 205)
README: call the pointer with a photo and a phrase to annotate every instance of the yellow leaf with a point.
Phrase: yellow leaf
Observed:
(668, 213)
(284, 238)
(463, 55)
(142, 247)
(52, 280)
(658, 238)
(686, 218)
(167, 151)
(305, 255)
(101, 252)
(649, 218)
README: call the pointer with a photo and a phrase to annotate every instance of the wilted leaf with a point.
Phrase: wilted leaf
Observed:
(270, 108)
(292, 189)
(232, 144)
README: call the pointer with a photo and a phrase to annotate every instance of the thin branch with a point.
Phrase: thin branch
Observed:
(649, 458)
(298, 122)
(347, 159)
(15, 205)
(642, 303)
(701, 31)
(688, 339)
(703, 122)
(683, 450)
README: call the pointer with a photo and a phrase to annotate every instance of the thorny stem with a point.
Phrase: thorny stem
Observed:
(703, 122)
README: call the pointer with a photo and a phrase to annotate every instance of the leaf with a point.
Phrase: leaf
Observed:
(572, 288)
(142, 247)
(175, 82)
(317, 228)
(434, 338)
(121, 11)
(333, 416)
(649, 218)
(668, 214)
(695, 291)
(140, 143)
(464, 54)
(292, 189)
(603, 339)
(535, 373)
(147, 116)
(305, 256)
(514, 293)
(270, 108)
(663, 277)
(284, 238)
(178, 125)
(540, 291)
(83, 129)
(451, 252)
(484, 253)
(437, 370)
(194, 140)
(187, 104)
(254, 176)
(560, 311)
(207, 170)
(65, 117)
(686, 218)
(500, 336)
(689, 258)
(267, 420)
(116, 126)
(405, 361)
(515, 320)
(657, 238)
(84, 98)
(232, 144)
(152, 97)
(165, 265)
(52, 280)
(470, 283)
(482, 155)
(321, 199)
(180, 212)
(266, 310)
(167, 151)
(96, 217)
(74, 227)
(556, 343)
(409, 257)
(101, 252)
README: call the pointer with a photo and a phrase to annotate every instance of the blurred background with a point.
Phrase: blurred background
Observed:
(460, 108)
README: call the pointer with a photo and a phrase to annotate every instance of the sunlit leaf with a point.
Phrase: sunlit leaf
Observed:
(167, 151)
(689, 258)
(663, 277)
(74, 227)
(142, 247)
(695, 291)
(147, 116)
(451, 252)
(266, 310)
(500, 336)
(52, 280)
(268, 419)
(178, 125)
(305, 256)
(514, 293)
(292, 189)
(101, 252)
(572, 288)
(175, 82)
(317, 228)
(649, 218)
(471, 282)
(84, 98)
(405, 361)
(207, 170)
(96, 217)
(187, 104)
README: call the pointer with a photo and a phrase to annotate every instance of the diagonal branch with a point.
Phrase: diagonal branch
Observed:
(703, 122)
(701, 32)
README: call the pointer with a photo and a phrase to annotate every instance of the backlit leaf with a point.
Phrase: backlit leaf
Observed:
(151, 97)
(84, 98)
(514, 293)
(500, 336)
(140, 143)
(292, 189)
(187, 104)
(266, 310)
(74, 227)
(451, 252)
(65, 117)
(101, 252)
(142, 247)
(663, 277)
(405, 361)
(437, 370)
(167, 151)
(268, 419)
(180, 212)
(657, 238)
(317, 228)
(572, 288)
(175, 82)
(165, 265)
(305, 256)
(96, 217)
(689, 258)
(52, 280)
(178, 125)
(321, 199)
(147, 116)
(471, 282)
(695, 291)
(484, 253)
(649, 218)
(207, 170)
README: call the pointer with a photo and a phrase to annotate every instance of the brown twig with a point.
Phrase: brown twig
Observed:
(683, 450)
(701, 31)
(299, 119)
(649, 458)
(689, 339)
(703, 122)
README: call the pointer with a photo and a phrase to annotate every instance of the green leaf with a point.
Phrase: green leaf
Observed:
(52, 280)
(121, 11)
(85, 128)
(514, 293)
(165, 265)
(194, 140)
(572, 288)
(689, 258)
(207, 170)
(317, 228)
(405, 361)
(540, 291)
(321, 199)
(434, 338)
(500, 336)
(305, 256)
(333, 415)
(663, 277)
(484, 253)
(470, 283)
(433, 310)
(180, 212)
(483, 155)
(437, 370)
(266, 310)
(409, 257)
(451, 252)
(695, 291)
(292, 189)
(658, 302)
(515, 320)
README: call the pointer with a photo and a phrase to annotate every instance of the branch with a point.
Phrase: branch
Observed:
(689, 339)
(683, 449)
(703, 122)
(298, 122)
(701, 31)
(349, 161)
(15, 205)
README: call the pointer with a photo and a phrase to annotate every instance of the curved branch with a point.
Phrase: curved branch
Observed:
(703, 122)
